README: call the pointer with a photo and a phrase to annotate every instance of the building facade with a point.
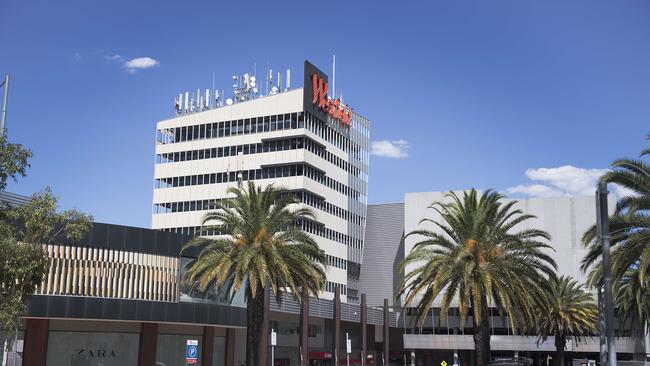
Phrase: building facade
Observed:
(444, 338)
(116, 298)
(298, 139)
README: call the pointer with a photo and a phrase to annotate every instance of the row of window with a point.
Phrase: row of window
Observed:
(319, 229)
(289, 328)
(332, 135)
(331, 287)
(232, 128)
(307, 198)
(321, 204)
(287, 121)
(336, 262)
(308, 226)
(261, 147)
(278, 171)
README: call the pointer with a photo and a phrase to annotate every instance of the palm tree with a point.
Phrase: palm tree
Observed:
(477, 257)
(565, 311)
(630, 241)
(261, 246)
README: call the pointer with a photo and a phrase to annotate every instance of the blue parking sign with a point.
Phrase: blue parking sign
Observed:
(191, 352)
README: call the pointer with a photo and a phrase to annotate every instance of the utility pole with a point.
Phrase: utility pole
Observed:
(601, 327)
(5, 82)
(602, 219)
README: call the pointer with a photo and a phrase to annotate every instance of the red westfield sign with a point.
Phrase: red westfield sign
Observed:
(333, 107)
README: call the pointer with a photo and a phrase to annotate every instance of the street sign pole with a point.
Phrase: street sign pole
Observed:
(348, 347)
(273, 343)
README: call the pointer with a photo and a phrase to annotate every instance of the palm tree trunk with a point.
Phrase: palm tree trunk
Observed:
(482, 335)
(560, 345)
(254, 325)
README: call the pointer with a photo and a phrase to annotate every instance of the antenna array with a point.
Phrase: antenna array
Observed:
(245, 87)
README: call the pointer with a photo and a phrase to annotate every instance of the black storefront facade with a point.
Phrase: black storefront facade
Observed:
(84, 313)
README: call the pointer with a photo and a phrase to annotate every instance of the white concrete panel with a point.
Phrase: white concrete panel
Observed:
(564, 218)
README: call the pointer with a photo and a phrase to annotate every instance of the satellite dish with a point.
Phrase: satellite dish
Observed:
(254, 90)
(253, 78)
(234, 77)
(274, 90)
(229, 101)
(246, 76)
(252, 83)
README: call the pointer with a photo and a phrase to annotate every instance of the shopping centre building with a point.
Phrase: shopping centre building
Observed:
(446, 338)
(118, 296)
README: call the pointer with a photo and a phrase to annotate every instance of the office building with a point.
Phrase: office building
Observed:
(299, 139)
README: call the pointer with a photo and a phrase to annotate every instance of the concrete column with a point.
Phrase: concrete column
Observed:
(207, 352)
(229, 357)
(337, 325)
(148, 344)
(386, 328)
(304, 330)
(35, 344)
(364, 328)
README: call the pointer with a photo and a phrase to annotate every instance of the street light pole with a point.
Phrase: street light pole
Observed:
(603, 236)
(5, 82)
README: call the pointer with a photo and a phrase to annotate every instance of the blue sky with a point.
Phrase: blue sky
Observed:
(460, 93)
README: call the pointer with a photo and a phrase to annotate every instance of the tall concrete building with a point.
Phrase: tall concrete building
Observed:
(300, 139)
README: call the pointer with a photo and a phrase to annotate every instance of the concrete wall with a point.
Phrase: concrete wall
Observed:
(382, 252)
(564, 218)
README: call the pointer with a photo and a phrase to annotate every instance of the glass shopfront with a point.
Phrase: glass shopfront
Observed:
(219, 349)
(92, 349)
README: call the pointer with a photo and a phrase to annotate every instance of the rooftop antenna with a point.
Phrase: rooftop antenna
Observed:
(179, 104)
(288, 82)
(333, 76)
(279, 81)
(267, 78)
(215, 102)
